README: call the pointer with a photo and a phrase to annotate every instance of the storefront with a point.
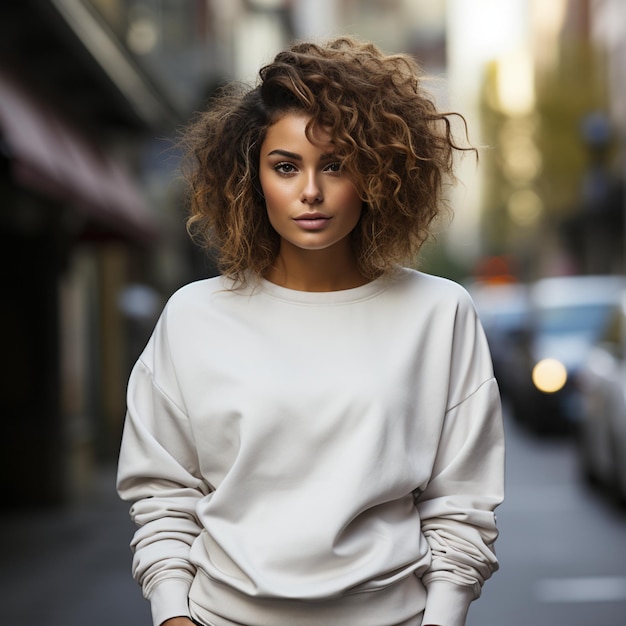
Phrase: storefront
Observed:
(71, 218)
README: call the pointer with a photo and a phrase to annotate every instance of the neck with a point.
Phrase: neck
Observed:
(315, 270)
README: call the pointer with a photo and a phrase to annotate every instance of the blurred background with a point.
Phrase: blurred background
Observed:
(93, 94)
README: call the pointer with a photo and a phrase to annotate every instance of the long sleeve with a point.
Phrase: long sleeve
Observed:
(466, 485)
(158, 472)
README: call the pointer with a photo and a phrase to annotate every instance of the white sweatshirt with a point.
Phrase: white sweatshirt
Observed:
(309, 459)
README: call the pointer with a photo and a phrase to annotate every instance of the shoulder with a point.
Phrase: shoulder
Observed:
(190, 304)
(430, 289)
(196, 294)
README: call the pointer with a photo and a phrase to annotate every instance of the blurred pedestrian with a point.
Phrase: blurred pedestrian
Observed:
(315, 436)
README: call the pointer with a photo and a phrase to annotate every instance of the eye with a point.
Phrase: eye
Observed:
(334, 167)
(285, 168)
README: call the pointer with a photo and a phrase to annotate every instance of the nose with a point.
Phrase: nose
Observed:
(312, 190)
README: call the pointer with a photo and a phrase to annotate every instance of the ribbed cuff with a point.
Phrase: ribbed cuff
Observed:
(447, 604)
(170, 598)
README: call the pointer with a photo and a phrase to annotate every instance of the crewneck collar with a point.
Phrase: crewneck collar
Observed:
(342, 296)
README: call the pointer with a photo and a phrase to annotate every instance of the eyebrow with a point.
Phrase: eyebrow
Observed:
(296, 157)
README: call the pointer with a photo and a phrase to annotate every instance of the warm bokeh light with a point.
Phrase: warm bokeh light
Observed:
(515, 82)
(549, 375)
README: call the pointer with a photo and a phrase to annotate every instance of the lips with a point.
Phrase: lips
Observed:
(312, 221)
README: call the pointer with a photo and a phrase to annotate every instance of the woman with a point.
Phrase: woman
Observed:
(315, 437)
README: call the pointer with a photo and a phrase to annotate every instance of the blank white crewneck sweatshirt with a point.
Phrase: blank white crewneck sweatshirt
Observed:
(299, 458)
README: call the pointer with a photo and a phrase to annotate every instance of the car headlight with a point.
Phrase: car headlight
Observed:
(549, 375)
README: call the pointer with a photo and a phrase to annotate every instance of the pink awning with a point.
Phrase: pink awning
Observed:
(53, 158)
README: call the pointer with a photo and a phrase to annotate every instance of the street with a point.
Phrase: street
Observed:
(71, 567)
(562, 546)
(562, 551)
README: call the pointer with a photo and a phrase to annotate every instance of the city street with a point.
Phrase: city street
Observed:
(562, 549)
(562, 546)
(132, 164)
(71, 567)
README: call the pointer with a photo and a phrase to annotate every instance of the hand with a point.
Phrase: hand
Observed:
(178, 621)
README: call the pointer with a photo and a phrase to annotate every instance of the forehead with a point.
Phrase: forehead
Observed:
(292, 127)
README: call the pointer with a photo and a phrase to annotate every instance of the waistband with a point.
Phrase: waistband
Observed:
(215, 604)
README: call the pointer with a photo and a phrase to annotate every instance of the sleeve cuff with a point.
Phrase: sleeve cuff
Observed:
(447, 604)
(170, 598)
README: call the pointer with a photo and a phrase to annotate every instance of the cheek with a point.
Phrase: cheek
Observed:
(353, 204)
(275, 196)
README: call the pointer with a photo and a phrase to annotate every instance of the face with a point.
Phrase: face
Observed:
(310, 202)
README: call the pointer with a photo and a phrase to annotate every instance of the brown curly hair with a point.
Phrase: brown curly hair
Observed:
(394, 144)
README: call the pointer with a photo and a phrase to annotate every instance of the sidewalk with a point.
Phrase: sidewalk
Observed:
(71, 567)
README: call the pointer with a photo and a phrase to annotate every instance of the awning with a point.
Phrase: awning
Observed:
(53, 158)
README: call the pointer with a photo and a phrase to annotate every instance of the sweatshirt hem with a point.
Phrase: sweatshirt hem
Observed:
(402, 603)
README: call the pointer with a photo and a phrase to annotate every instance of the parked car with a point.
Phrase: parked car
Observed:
(601, 430)
(503, 309)
(567, 315)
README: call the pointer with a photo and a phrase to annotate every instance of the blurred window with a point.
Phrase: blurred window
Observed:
(506, 320)
(587, 319)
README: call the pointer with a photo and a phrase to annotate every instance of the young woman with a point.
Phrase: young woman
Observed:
(315, 436)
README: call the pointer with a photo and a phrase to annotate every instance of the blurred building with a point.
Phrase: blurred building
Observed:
(78, 108)
(552, 111)
(608, 34)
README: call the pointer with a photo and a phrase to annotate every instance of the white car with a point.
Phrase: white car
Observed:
(601, 432)
(567, 315)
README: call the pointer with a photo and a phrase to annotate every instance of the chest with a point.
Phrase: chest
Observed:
(280, 391)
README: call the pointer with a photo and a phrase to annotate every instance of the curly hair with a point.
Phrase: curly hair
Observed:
(395, 146)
